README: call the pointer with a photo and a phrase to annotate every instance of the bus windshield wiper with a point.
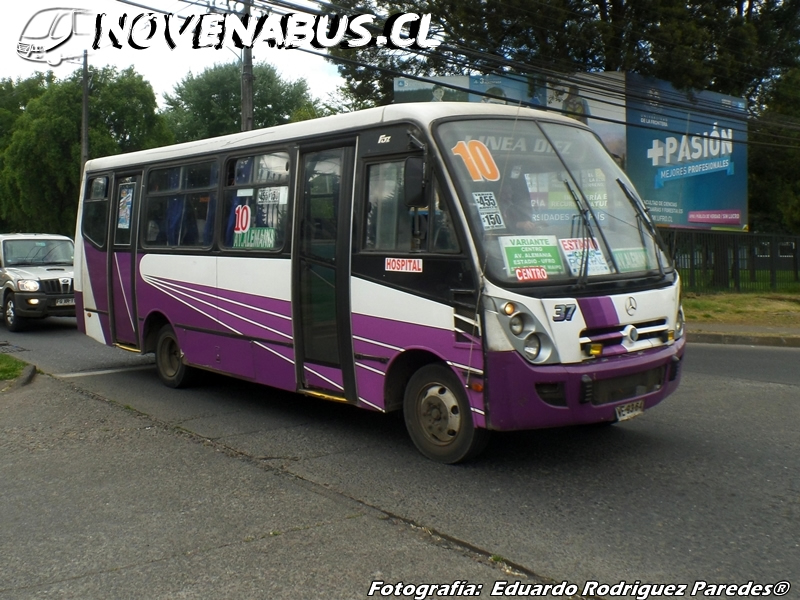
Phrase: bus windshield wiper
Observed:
(588, 236)
(585, 211)
(641, 217)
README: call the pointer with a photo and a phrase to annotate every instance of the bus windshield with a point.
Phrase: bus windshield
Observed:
(548, 204)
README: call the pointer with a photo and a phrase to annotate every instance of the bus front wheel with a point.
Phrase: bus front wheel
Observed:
(438, 417)
(169, 360)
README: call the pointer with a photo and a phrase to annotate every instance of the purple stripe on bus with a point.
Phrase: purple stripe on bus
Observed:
(96, 267)
(614, 350)
(476, 400)
(200, 306)
(598, 312)
(382, 336)
(124, 317)
(370, 385)
(324, 377)
(273, 370)
(515, 404)
(606, 337)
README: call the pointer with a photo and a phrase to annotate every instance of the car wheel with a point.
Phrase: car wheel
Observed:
(169, 360)
(438, 416)
(10, 318)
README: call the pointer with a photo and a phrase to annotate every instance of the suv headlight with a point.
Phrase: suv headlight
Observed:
(28, 285)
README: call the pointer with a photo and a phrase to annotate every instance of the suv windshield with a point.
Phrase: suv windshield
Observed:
(23, 252)
(547, 203)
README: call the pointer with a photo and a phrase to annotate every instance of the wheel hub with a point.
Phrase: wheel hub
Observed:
(439, 414)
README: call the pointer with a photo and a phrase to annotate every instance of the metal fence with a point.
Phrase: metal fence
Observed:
(735, 262)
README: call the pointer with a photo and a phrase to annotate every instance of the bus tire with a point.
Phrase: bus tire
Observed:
(172, 371)
(438, 417)
(11, 319)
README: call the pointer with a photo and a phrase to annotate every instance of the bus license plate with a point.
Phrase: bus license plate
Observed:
(628, 411)
(65, 301)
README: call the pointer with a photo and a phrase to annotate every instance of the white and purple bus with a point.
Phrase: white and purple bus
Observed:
(480, 267)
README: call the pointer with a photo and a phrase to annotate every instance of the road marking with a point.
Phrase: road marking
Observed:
(103, 372)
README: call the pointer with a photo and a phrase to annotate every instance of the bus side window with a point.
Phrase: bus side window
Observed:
(95, 211)
(389, 222)
(255, 215)
(185, 215)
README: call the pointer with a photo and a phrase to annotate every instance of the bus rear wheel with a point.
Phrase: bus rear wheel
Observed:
(172, 371)
(438, 417)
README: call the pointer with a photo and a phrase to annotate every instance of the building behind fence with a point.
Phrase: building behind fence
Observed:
(735, 262)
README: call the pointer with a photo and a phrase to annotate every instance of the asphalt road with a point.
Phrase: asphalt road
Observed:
(704, 487)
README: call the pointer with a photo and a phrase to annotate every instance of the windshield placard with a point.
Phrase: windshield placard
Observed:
(631, 259)
(574, 250)
(488, 210)
(530, 258)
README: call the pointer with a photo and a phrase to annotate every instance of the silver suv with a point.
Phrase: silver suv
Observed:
(36, 277)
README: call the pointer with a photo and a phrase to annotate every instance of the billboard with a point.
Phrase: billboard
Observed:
(685, 153)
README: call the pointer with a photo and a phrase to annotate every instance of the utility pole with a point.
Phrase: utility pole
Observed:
(85, 114)
(247, 81)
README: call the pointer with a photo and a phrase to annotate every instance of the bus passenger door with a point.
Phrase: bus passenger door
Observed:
(321, 275)
(122, 259)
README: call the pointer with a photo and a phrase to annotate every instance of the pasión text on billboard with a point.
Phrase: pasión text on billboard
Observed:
(717, 142)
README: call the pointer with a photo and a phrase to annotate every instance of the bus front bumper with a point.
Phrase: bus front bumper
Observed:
(522, 396)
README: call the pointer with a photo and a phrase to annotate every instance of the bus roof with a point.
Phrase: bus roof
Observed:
(418, 112)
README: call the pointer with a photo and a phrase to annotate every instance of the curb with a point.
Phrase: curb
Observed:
(701, 337)
(27, 375)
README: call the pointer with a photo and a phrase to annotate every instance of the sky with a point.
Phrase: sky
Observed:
(159, 65)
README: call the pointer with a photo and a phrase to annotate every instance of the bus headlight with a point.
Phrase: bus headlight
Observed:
(532, 347)
(516, 324)
(28, 285)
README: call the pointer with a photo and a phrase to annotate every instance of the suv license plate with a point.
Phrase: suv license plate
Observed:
(65, 301)
(628, 411)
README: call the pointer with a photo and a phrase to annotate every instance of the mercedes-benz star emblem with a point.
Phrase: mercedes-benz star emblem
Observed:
(630, 306)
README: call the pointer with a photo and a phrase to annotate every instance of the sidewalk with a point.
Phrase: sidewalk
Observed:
(746, 335)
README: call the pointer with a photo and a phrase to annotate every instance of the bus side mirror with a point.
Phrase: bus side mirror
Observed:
(414, 182)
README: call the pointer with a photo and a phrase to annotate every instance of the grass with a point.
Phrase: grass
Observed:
(768, 309)
(10, 367)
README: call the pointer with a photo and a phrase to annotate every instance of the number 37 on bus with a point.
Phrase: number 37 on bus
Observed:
(478, 267)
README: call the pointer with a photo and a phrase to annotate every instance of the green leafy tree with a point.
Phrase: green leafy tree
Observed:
(774, 157)
(14, 97)
(209, 104)
(40, 177)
